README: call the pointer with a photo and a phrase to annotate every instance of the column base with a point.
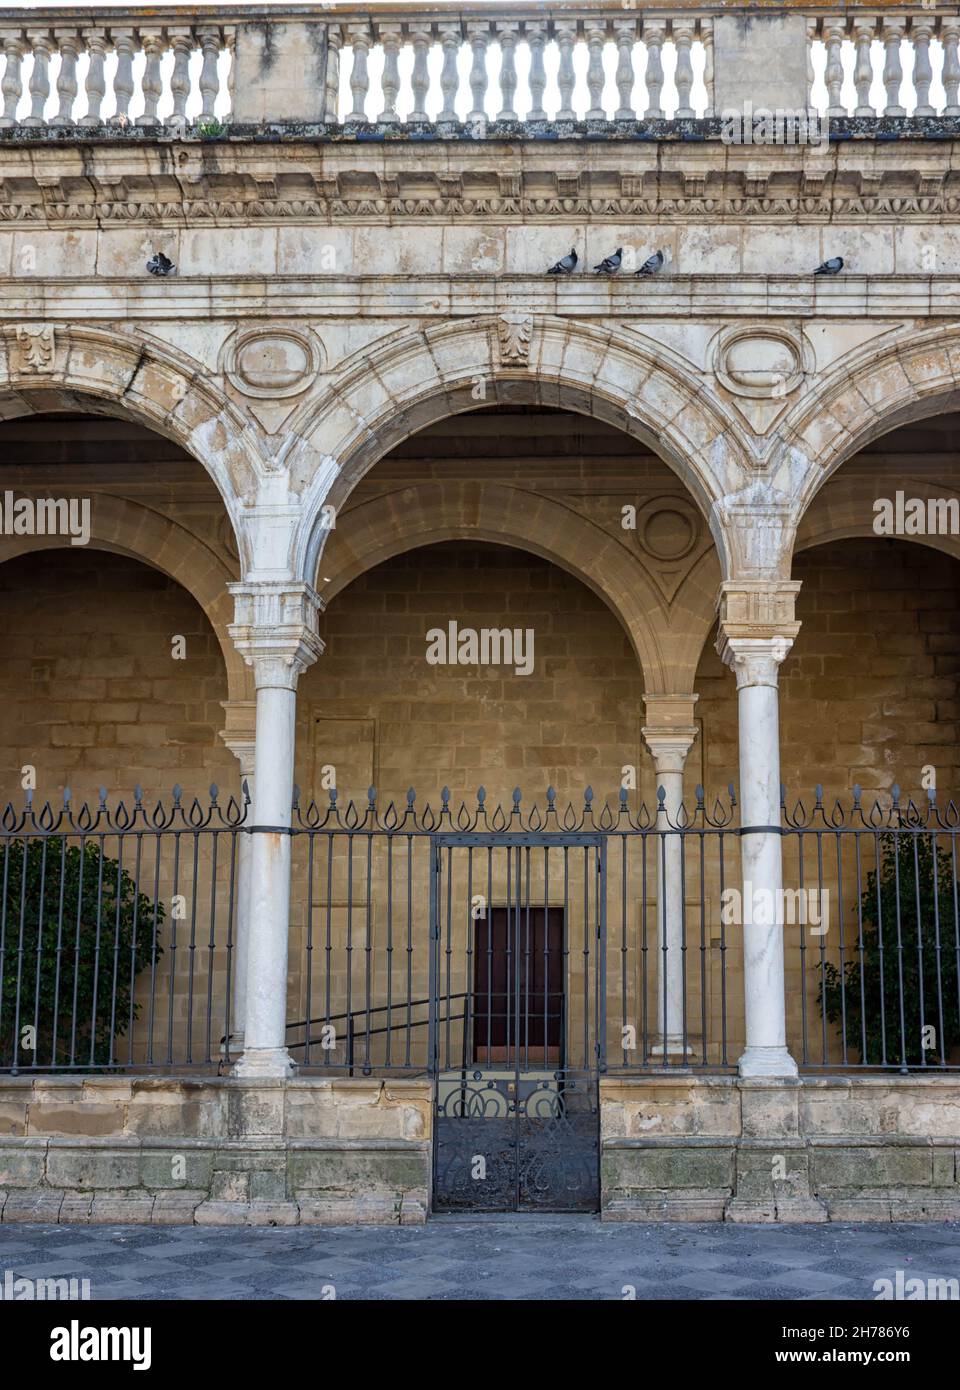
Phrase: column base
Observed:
(767, 1061)
(268, 1062)
(674, 1054)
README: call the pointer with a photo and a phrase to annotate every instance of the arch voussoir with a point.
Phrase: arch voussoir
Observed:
(413, 381)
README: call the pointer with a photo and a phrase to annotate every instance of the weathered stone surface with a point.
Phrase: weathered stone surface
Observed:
(666, 1169)
(92, 1167)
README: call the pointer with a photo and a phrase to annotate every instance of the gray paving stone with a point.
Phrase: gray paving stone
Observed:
(496, 1259)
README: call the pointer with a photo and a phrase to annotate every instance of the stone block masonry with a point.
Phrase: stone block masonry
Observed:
(342, 1151)
(838, 1148)
(215, 1151)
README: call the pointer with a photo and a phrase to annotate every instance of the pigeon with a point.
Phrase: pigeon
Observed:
(610, 264)
(158, 264)
(831, 267)
(566, 264)
(651, 266)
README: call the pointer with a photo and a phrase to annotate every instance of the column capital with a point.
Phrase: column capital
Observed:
(757, 627)
(274, 629)
(669, 746)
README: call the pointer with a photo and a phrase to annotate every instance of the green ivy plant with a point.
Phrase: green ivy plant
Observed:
(72, 900)
(865, 996)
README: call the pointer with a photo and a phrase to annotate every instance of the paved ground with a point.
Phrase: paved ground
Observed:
(534, 1257)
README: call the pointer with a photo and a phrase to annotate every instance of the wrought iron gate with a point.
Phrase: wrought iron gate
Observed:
(517, 1019)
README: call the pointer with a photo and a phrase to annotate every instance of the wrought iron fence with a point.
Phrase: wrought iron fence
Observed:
(873, 971)
(531, 931)
(117, 933)
(451, 939)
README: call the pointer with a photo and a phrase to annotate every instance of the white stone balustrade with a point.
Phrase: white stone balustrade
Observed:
(111, 71)
(886, 64)
(338, 64)
(605, 65)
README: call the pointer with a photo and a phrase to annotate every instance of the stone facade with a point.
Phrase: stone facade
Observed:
(359, 408)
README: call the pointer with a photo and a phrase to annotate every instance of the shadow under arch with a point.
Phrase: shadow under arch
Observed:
(500, 515)
(125, 528)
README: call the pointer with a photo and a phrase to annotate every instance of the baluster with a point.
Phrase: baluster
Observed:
(950, 38)
(921, 31)
(626, 32)
(566, 35)
(478, 32)
(391, 36)
(536, 36)
(863, 32)
(181, 41)
(683, 39)
(654, 33)
(331, 94)
(69, 43)
(153, 47)
(811, 75)
(96, 82)
(209, 40)
(507, 32)
(123, 77)
(451, 38)
(706, 38)
(892, 71)
(14, 46)
(42, 44)
(360, 38)
(595, 32)
(833, 34)
(421, 36)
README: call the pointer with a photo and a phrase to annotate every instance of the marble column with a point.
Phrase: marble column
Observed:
(240, 737)
(757, 630)
(670, 735)
(275, 632)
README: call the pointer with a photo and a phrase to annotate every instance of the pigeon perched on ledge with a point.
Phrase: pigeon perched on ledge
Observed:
(831, 267)
(566, 264)
(158, 264)
(610, 264)
(651, 266)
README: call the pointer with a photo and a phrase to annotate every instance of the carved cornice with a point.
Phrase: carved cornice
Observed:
(898, 193)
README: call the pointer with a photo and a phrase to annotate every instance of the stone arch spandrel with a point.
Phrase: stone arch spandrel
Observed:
(426, 513)
(419, 378)
(867, 396)
(71, 367)
(127, 528)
